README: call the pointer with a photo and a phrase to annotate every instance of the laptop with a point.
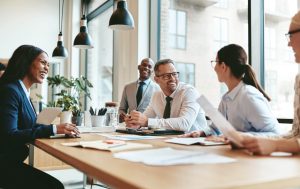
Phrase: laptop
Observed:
(219, 121)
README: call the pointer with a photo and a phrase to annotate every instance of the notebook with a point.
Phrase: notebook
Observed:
(219, 121)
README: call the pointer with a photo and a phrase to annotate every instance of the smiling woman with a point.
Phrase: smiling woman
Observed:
(27, 66)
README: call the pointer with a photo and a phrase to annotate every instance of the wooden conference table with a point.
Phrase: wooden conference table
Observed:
(247, 172)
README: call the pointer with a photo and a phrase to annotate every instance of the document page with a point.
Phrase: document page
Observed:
(130, 137)
(191, 141)
(108, 145)
(47, 115)
(169, 156)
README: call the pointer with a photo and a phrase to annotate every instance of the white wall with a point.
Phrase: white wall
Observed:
(32, 22)
(35, 22)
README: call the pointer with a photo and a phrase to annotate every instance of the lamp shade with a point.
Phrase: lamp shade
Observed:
(60, 51)
(83, 39)
(121, 19)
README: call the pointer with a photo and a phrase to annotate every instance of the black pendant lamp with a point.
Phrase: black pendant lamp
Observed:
(83, 40)
(60, 51)
(121, 19)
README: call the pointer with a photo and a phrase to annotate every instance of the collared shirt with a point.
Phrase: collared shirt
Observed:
(147, 82)
(186, 114)
(248, 110)
(28, 98)
(27, 94)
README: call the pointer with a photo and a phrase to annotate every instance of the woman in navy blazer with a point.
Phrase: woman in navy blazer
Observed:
(18, 127)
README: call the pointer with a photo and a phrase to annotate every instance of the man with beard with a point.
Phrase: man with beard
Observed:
(137, 95)
(174, 107)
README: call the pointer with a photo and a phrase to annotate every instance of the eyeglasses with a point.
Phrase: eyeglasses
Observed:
(213, 63)
(167, 76)
(289, 34)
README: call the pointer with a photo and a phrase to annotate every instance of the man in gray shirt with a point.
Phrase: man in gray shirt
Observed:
(174, 107)
(136, 95)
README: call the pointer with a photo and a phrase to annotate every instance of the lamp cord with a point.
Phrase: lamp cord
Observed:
(83, 8)
(61, 10)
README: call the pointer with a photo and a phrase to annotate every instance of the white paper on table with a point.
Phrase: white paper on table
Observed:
(47, 115)
(169, 156)
(190, 141)
(113, 147)
(130, 137)
(104, 129)
(219, 121)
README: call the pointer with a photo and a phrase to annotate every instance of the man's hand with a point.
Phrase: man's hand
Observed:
(122, 117)
(136, 120)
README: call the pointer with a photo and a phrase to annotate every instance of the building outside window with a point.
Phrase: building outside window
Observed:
(210, 24)
(187, 72)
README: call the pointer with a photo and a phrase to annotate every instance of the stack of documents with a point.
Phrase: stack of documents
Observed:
(108, 146)
(190, 141)
(169, 156)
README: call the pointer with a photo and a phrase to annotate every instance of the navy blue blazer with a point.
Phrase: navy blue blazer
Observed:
(18, 123)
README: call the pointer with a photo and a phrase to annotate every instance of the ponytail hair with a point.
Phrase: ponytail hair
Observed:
(250, 79)
(235, 57)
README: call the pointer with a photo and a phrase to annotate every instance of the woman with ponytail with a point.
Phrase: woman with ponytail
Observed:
(245, 104)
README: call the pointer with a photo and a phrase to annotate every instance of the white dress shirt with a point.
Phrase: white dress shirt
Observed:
(247, 110)
(186, 114)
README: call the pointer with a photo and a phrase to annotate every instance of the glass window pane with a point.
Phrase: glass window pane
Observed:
(100, 59)
(176, 26)
(172, 41)
(180, 42)
(172, 21)
(181, 23)
(280, 67)
(208, 28)
(187, 72)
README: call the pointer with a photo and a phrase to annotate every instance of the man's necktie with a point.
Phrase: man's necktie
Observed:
(167, 111)
(139, 93)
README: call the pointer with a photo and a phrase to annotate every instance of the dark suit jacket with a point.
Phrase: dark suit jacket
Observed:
(17, 123)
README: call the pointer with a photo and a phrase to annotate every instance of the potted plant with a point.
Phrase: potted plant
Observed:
(72, 90)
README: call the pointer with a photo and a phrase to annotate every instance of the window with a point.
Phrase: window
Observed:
(280, 67)
(187, 72)
(270, 43)
(177, 29)
(207, 29)
(222, 4)
(99, 66)
(220, 33)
